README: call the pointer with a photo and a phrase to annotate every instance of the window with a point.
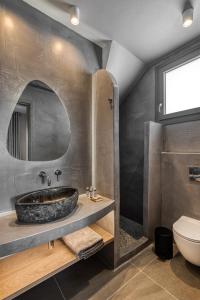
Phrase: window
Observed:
(178, 97)
(182, 87)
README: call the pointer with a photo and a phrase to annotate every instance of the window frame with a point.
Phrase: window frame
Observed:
(173, 62)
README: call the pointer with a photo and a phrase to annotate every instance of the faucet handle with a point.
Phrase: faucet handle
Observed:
(43, 175)
(58, 173)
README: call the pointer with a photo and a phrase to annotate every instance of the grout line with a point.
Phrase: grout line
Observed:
(126, 263)
(148, 264)
(162, 287)
(141, 254)
(59, 288)
(124, 285)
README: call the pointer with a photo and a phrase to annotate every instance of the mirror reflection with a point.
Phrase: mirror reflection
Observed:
(39, 129)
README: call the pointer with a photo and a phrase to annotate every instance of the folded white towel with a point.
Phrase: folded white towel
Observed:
(83, 240)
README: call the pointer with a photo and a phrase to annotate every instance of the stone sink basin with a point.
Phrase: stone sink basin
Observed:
(46, 205)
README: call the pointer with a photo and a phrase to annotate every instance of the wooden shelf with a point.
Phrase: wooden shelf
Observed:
(26, 269)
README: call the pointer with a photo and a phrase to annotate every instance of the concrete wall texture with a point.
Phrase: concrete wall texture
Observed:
(179, 196)
(153, 146)
(139, 107)
(104, 134)
(34, 47)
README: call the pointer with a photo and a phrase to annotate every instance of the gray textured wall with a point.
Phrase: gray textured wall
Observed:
(182, 138)
(153, 146)
(34, 47)
(180, 196)
(138, 108)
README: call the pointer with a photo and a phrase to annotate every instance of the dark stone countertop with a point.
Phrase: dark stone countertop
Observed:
(16, 237)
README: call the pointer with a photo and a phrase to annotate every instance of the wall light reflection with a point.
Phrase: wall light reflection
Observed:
(57, 47)
(8, 22)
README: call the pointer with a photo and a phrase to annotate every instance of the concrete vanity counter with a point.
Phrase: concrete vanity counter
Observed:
(16, 237)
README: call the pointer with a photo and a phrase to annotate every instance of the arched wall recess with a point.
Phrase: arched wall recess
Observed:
(105, 146)
(104, 111)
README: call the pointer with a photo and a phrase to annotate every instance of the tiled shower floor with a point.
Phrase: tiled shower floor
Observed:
(131, 235)
(145, 277)
(132, 228)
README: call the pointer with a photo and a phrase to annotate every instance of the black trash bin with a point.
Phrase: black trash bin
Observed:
(164, 243)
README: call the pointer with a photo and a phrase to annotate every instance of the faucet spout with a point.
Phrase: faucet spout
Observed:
(43, 175)
(48, 180)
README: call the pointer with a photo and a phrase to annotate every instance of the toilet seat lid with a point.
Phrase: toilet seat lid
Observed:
(188, 228)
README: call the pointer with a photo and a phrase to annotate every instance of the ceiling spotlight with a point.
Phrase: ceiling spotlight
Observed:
(75, 15)
(188, 15)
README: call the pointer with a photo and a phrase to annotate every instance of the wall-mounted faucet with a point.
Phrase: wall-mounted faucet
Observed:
(43, 175)
(49, 180)
(58, 173)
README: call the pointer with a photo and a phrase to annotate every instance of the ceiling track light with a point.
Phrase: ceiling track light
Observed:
(188, 14)
(75, 15)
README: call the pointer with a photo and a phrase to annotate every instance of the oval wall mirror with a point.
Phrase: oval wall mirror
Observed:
(39, 129)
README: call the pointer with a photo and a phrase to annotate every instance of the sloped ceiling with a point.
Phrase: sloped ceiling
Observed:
(119, 61)
(147, 28)
(143, 29)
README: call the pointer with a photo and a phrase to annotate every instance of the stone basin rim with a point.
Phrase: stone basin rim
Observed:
(49, 202)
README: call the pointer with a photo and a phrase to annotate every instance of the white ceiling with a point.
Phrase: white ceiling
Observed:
(148, 28)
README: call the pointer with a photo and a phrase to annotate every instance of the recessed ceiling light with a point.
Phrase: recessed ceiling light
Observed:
(75, 15)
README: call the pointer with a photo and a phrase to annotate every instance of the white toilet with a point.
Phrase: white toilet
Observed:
(187, 237)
